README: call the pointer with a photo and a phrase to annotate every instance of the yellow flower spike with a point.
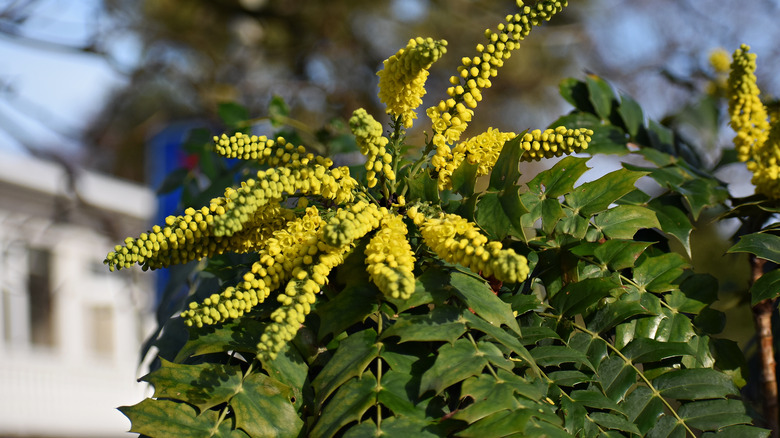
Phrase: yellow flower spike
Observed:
(554, 142)
(352, 222)
(176, 243)
(482, 149)
(296, 301)
(474, 72)
(368, 134)
(390, 260)
(758, 135)
(444, 234)
(402, 80)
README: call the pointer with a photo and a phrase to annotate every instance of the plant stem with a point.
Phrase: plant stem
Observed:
(762, 316)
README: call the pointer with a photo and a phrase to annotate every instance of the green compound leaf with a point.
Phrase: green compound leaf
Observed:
(631, 114)
(240, 335)
(739, 431)
(697, 383)
(673, 220)
(627, 305)
(506, 171)
(766, 287)
(575, 298)
(696, 292)
(558, 354)
(464, 178)
(657, 274)
(170, 419)
(203, 386)
(441, 324)
(701, 193)
(714, 414)
(623, 221)
(620, 254)
(396, 426)
(454, 363)
(351, 305)
(264, 407)
(478, 296)
(643, 408)
(593, 399)
(762, 245)
(612, 421)
(349, 403)
(601, 96)
(596, 196)
(351, 359)
(499, 218)
(576, 93)
(559, 179)
(643, 350)
(667, 426)
(616, 377)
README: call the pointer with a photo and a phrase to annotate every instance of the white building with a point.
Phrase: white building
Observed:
(70, 331)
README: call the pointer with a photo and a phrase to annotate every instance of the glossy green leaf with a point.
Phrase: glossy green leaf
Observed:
(596, 196)
(631, 114)
(612, 421)
(464, 178)
(643, 350)
(441, 324)
(506, 171)
(396, 394)
(576, 93)
(348, 404)
(601, 95)
(424, 188)
(701, 193)
(263, 407)
(240, 335)
(508, 340)
(696, 292)
(658, 274)
(710, 321)
(558, 354)
(559, 179)
(498, 218)
(573, 224)
(767, 287)
(739, 431)
(489, 396)
(395, 426)
(574, 298)
(666, 177)
(351, 305)
(620, 254)
(692, 384)
(289, 367)
(593, 399)
(673, 220)
(643, 408)
(616, 377)
(478, 296)
(203, 386)
(623, 221)
(454, 363)
(667, 427)
(762, 245)
(350, 360)
(569, 378)
(618, 311)
(714, 414)
(170, 419)
(174, 180)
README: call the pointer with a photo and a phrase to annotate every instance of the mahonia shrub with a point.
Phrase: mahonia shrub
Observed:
(396, 297)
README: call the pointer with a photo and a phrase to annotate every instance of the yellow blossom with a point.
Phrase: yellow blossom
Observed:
(372, 144)
(457, 240)
(402, 80)
(390, 260)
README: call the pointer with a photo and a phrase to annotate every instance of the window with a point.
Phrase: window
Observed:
(40, 293)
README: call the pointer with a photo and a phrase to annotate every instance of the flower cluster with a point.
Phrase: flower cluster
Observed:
(265, 151)
(485, 148)
(758, 138)
(457, 240)
(451, 116)
(402, 80)
(390, 260)
(372, 144)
